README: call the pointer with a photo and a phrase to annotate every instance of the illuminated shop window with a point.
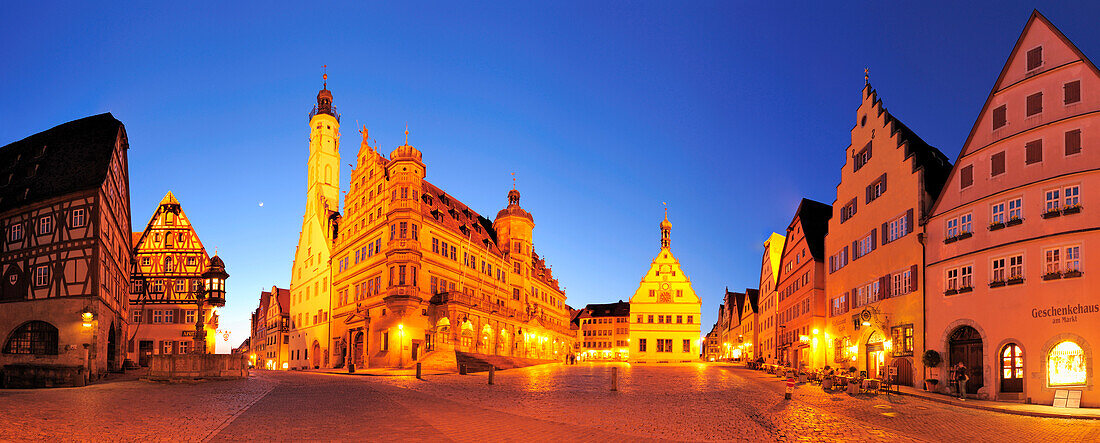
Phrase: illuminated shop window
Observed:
(1066, 365)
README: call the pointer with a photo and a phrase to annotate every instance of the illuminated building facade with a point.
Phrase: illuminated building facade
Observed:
(875, 296)
(743, 335)
(417, 276)
(767, 328)
(270, 339)
(310, 284)
(66, 254)
(1010, 292)
(665, 311)
(604, 332)
(169, 260)
(800, 311)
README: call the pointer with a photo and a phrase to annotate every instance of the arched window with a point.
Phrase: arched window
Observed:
(1066, 365)
(1012, 368)
(34, 337)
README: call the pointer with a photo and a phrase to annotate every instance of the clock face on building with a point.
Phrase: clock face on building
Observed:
(664, 286)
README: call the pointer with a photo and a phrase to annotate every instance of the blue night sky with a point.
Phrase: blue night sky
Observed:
(729, 112)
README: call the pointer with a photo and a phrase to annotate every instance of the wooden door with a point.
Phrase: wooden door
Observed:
(966, 346)
(357, 350)
(145, 352)
(1012, 368)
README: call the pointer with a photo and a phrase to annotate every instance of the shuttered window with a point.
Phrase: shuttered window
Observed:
(1000, 117)
(966, 176)
(1034, 58)
(1033, 151)
(1034, 104)
(1072, 92)
(997, 164)
(1073, 142)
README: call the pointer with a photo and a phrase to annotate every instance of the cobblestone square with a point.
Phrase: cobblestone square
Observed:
(545, 403)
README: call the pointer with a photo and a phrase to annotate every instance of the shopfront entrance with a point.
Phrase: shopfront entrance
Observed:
(876, 357)
(966, 347)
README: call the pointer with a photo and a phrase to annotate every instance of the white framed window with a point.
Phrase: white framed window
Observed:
(952, 227)
(1016, 209)
(966, 276)
(1071, 196)
(45, 225)
(15, 233)
(77, 218)
(158, 286)
(1052, 259)
(41, 275)
(184, 346)
(1072, 258)
(865, 245)
(1053, 200)
(166, 347)
(953, 279)
(1016, 266)
(998, 212)
(181, 285)
(898, 228)
(158, 316)
(998, 269)
(965, 225)
(901, 282)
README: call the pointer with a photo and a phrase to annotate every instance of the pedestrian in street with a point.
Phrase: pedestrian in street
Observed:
(961, 378)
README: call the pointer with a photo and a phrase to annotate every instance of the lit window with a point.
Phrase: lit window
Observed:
(1066, 365)
(1072, 259)
(1053, 260)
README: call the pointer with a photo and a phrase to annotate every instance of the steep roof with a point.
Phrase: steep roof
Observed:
(814, 217)
(284, 300)
(753, 297)
(67, 158)
(618, 309)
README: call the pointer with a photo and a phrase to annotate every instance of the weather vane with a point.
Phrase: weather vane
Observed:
(406, 133)
(324, 76)
(513, 180)
(866, 76)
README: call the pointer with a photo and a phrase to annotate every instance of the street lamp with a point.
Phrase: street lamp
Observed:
(211, 289)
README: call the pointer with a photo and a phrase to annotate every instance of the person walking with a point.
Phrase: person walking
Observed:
(961, 378)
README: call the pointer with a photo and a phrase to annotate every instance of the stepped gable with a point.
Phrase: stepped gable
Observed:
(935, 164)
(70, 157)
(459, 218)
(283, 297)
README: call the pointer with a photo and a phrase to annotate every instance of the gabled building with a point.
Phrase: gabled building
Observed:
(800, 309)
(744, 336)
(769, 298)
(1009, 289)
(887, 185)
(274, 353)
(169, 260)
(65, 265)
(665, 311)
(605, 331)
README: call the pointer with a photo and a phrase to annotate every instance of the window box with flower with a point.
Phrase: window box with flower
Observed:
(966, 289)
(1052, 213)
(1073, 209)
(1071, 274)
(1014, 281)
(951, 292)
(996, 283)
(1014, 221)
(1052, 276)
(996, 226)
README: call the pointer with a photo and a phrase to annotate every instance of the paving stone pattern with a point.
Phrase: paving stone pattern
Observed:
(544, 403)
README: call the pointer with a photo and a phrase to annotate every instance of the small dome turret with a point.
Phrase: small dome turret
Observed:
(513, 207)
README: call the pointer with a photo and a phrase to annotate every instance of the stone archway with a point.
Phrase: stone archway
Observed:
(965, 346)
(1086, 355)
(112, 349)
(315, 361)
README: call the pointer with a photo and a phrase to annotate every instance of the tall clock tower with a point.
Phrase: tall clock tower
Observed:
(309, 283)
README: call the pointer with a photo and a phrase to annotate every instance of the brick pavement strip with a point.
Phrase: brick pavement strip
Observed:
(551, 402)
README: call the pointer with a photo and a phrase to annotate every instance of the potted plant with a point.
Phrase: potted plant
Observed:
(853, 381)
(931, 359)
(827, 378)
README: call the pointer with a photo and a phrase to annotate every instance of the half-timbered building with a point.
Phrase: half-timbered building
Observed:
(65, 253)
(169, 260)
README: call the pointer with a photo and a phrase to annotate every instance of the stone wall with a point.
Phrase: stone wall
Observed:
(197, 367)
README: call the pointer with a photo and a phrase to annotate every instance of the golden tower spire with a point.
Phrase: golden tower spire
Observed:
(406, 133)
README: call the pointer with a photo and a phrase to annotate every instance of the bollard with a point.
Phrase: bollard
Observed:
(492, 369)
(418, 371)
(615, 378)
(462, 369)
(790, 389)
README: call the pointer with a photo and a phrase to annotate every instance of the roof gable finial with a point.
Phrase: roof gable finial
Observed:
(324, 76)
(866, 76)
(513, 181)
